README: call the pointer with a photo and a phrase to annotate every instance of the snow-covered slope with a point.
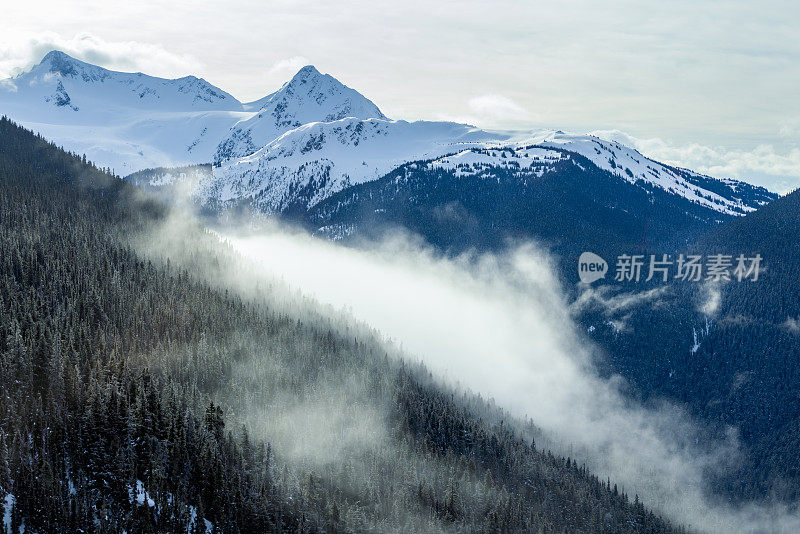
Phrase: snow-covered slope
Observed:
(313, 161)
(483, 162)
(308, 97)
(126, 121)
(723, 195)
(131, 121)
(82, 91)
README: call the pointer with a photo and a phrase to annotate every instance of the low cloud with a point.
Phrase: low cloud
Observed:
(501, 326)
(615, 303)
(792, 324)
(8, 85)
(710, 299)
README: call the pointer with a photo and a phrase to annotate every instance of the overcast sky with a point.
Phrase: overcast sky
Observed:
(714, 86)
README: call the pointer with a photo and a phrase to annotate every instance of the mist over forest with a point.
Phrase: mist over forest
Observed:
(145, 392)
(311, 313)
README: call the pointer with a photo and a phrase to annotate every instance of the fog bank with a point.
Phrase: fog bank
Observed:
(500, 326)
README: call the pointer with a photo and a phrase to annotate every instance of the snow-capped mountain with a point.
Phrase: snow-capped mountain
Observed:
(82, 91)
(295, 147)
(313, 161)
(724, 195)
(132, 121)
(483, 198)
(125, 121)
(308, 97)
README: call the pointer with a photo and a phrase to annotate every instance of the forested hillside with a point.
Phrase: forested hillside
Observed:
(729, 351)
(138, 396)
(735, 365)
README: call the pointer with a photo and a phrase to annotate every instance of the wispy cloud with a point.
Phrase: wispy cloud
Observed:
(288, 66)
(500, 326)
(790, 128)
(497, 106)
(132, 56)
(8, 85)
(710, 299)
(491, 110)
(792, 324)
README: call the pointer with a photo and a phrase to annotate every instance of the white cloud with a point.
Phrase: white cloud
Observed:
(497, 106)
(790, 128)
(614, 303)
(129, 56)
(500, 326)
(287, 67)
(8, 85)
(675, 69)
(711, 298)
(792, 325)
(472, 120)
(491, 111)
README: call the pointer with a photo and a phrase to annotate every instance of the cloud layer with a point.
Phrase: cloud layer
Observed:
(499, 325)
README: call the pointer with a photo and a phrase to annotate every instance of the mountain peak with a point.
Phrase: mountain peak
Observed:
(309, 87)
(316, 81)
(55, 55)
(308, 70)
(309, 97)
(69, 83)
(59, 62)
